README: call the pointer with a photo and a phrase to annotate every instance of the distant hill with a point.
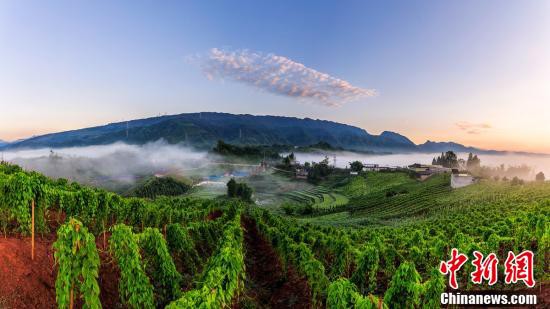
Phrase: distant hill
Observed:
(203, 130)
(3, 143)
(430, 146)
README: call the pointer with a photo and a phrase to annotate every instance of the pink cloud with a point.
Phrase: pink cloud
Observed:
(473, 128)
(281, 75)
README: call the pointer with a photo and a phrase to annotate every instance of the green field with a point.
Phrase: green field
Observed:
(321, 198)
(372, 241)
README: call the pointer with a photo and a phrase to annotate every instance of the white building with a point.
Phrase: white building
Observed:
(461, 180)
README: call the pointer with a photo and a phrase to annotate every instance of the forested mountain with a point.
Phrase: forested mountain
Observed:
(203, 130)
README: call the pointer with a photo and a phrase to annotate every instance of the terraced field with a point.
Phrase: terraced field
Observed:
(374, 182)
(379, 199)
(402, 200)
(321, 198)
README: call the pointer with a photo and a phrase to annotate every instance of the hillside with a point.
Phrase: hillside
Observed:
(172, 252)
(203, 130)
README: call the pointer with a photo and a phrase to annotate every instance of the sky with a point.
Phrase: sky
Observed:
(474, 72)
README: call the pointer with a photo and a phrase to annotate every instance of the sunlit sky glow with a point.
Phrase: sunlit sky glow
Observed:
(474, 72)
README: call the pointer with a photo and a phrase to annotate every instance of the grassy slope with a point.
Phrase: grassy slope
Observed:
(422, 200)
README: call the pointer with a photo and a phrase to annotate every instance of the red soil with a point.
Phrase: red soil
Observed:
(214, 215)
(109, 275)
(26, 283)
(267, 283)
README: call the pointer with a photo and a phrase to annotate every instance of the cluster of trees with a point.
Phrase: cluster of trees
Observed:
(324, 146)
(448, 159)
(156, 186)
(318, 171)
(315, 171)
(259, 151)
(516, 181)
(504, 172)
(239, 190)
(356, 166)
(289, 160)
(473, 162)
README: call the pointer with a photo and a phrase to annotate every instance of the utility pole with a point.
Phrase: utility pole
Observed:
(127, 127)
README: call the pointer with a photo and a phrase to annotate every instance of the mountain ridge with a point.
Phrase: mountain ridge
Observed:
(202, 130)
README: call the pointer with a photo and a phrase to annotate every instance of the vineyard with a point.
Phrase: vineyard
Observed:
(188, 252)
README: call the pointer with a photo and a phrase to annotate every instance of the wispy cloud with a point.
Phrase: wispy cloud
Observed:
(473, 128)
(281, 75)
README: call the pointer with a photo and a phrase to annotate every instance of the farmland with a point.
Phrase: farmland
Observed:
(369, 236)
(320, 198)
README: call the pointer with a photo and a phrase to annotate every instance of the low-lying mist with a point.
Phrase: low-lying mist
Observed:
(115, 166)
(118, 166)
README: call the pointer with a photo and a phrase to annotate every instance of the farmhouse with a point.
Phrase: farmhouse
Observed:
(424, 171)
(371, 167)
(428, 170)
(300, 173)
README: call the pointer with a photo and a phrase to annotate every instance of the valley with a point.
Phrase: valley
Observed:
(332, 241)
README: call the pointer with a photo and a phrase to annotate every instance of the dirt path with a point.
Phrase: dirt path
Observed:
(109, 275)
(266, 282)
(214, 215)
(26, 283)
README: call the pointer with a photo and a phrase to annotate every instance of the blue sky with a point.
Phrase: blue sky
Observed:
(475, 72)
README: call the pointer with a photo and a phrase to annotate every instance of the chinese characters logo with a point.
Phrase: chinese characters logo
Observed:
(516, 268)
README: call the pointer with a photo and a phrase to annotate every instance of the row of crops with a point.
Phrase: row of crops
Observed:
(371, 182)
(162, 247)
(377, 196)
(97, 209)
(341, 275)
(311, 196)
(488, 217)
(381, 261)
(402, 200)
(429, 219)
(149, 277)
(321, 199)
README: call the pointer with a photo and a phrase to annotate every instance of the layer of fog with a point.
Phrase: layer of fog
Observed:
(118, 166)
(537, 163)
(115, 166)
